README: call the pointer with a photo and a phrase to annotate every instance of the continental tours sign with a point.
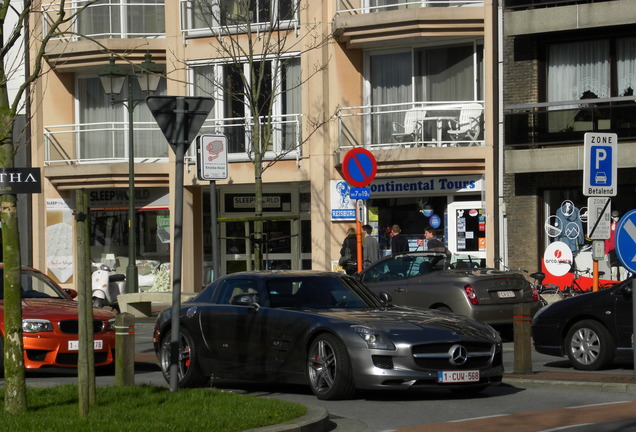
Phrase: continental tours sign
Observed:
(20, 180)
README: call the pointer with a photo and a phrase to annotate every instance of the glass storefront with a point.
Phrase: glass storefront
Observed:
(285, 241)
(109, 235)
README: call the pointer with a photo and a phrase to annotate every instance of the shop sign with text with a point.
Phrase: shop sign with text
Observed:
(20, 180)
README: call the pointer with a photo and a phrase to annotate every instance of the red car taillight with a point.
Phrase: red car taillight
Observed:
(535, 293)
(471, 294)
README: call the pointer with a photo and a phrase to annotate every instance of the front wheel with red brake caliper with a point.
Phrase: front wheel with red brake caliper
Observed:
(189, 374)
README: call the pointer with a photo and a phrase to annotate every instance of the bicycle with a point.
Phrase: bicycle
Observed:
(549, 293)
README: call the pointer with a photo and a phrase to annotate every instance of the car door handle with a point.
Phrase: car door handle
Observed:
(399, 290)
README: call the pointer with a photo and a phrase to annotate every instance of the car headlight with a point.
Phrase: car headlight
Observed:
(36, 325)
(374, 339)
(111, 325)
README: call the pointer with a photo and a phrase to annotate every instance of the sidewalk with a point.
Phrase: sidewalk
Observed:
(619, 382)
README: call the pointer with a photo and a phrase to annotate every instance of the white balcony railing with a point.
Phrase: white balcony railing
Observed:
(110, 19)
(108, 142)
(371, 6)
(416, 124)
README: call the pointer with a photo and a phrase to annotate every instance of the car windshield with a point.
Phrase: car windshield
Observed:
(34, 285)
(405, 266)
(319, 293)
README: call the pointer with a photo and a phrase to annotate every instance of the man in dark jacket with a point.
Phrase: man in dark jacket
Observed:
(350, 247)
(399, 243)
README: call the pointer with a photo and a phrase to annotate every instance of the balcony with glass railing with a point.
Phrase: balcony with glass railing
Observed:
(107, 142)
(356, 7)
(419, 124)
(565, 123)
(110, 19)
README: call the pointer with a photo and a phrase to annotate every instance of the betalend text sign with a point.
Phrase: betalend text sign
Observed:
(600, 164)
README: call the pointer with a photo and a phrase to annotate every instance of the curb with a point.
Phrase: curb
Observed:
(315, 420)
(610, 387)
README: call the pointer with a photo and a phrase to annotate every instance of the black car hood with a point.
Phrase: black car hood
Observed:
(401, 320)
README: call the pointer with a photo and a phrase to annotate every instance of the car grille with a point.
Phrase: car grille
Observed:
(71, 359)
(439, 356)
(383, 362)
(72, 326)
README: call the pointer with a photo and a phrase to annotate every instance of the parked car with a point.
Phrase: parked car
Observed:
(592, 329)
(457, 284)
(325, 330)
(50, 324)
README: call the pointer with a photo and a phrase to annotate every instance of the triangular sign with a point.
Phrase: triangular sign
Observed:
(164, 109)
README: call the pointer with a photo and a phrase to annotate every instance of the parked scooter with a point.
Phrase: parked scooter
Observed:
(106, 286)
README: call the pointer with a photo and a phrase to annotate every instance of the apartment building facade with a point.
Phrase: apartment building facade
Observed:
(569, 69)
(414, 82)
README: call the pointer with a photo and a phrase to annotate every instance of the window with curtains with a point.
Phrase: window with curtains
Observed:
(103, 126)
(213, 14)
(279, 102)
(121, 18)
(583, 70)
(398, 80)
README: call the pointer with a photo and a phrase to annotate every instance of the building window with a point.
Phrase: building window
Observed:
(109, 18)
(398, 81)
(102, 131)
(584, 70)
(233, 114)
(232, 15)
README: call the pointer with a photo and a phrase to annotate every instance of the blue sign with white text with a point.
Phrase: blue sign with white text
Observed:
(625, 241)
(360, 193)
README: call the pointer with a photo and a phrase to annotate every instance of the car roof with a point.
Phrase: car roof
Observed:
(284, 273)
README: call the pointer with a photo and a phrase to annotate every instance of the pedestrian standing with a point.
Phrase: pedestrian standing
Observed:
(399, 243)
(370, 247)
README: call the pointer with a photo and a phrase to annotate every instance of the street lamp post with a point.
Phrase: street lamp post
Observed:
(112, 78)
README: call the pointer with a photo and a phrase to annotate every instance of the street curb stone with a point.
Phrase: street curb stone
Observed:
(574, 385)
(315, 420)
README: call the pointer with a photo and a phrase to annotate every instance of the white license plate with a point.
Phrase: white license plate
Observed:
(74, 345)
(506, 294)
(458, 376)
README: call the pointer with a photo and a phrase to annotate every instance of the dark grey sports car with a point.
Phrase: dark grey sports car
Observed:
(326, 330)
(457, 284)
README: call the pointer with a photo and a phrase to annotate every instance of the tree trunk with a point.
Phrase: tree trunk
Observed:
(15, 386)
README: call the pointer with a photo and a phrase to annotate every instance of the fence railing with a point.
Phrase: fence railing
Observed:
(108, 142)
(112, 19)
(356, 7)
(534, 4)
(561, 123)
(415, 124)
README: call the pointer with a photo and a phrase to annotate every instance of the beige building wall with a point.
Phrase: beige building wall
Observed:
(339, 84)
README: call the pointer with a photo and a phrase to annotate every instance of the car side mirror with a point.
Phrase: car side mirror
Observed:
(71, 292)
(385, 298)
(245, 300)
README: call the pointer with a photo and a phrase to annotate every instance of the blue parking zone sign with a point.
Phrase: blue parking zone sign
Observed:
(625, 241)
(600, 165)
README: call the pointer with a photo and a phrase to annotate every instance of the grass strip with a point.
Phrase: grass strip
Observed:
(145, 407)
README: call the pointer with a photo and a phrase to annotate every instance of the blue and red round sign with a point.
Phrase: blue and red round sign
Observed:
(359, 167)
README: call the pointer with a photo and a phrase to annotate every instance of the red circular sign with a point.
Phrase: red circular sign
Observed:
(359, 167)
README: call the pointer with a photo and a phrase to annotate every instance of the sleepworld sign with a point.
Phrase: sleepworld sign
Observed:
(20, 180)
(343, 208)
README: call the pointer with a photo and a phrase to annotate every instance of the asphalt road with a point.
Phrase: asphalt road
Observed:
(507, 407)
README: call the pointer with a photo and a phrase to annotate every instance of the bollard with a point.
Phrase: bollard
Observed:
(125, 349)
(522, 334)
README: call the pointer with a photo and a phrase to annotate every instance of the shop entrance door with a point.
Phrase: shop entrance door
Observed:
(279, 245)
